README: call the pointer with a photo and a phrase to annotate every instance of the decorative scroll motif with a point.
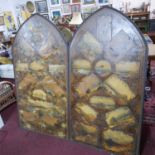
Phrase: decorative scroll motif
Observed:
(40, 63)
(107, 78)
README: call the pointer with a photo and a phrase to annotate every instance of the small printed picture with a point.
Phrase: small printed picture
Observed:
(76, 8)
(55, 2)
(41, 6)
(1, 20)
(65, 1)
(103, 1)
(66, 9)
(89, 1)
(9, 21)
(76, 1)
(56, 13)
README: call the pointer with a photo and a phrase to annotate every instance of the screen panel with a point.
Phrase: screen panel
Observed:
(107, 73)
(40, 60)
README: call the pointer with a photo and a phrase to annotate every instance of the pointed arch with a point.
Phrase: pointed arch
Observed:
(40, 64)
(107, 71)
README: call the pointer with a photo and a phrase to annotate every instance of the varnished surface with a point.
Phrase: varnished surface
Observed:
(107, 80)
(40, 70)
(107, 61)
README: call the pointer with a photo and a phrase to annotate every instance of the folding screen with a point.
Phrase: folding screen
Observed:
(107, 80)
(94, 97)
(40, 59)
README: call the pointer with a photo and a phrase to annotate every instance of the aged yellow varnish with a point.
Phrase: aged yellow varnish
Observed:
(86, 111)
(128, 68)
(118, 87)
(117, 137)
(120, 116)
(101, 102)
(81, 66)
(103, 68)
(87, 85)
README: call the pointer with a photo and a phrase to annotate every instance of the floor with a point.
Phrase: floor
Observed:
(17, 141)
